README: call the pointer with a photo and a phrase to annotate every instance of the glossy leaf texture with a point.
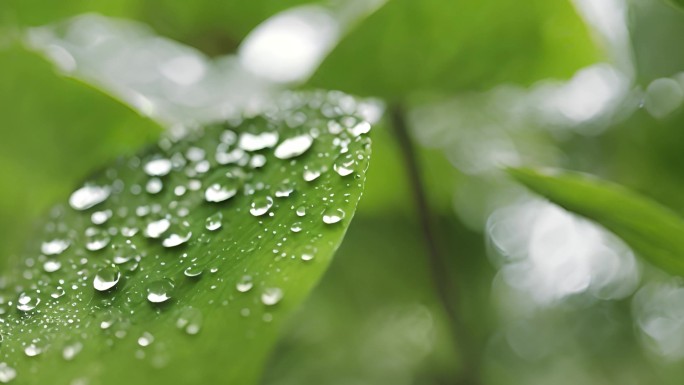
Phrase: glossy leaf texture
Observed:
(447, 46)
(184, 260)
(652, 230)
(53, 134)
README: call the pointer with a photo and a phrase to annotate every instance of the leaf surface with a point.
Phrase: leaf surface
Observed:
(182, 262)
(654, 231)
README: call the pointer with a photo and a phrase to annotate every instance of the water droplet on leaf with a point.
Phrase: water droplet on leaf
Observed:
(261, 205)
(106, 278)
(271, 296)
(214, 222)
(88, 196)
(332, 215)
(160, 291)
(293, 147)
(158, 167)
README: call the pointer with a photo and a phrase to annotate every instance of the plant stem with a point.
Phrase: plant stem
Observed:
(439, 267)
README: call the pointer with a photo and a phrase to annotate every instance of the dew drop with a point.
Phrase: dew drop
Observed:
(106, 278)
(128, 232)
(70, 351)
(314, 170)
(27, 301)
(308, 253)
(296, 227)
(160, 291)
(32, 350)
(57, 292)
(245, 284)
(301, 211)
(214, 222)
(158, 167)
(109, 318)
(145, 339)
(100, 217)
(360, 128)
(7, 373)
(271, 296)
(155, 229)
(177, 238)
(256, 142)
(284, 190)
(51, 266)
(293, 147)
(344, 164)
(124, 252)
(218, 192)
(88, 196)
(96, 239)
(54, 247)
(332, 215)
(190, 320)
(257, 161)
(193, 271)
(261, 205)
(154, 186)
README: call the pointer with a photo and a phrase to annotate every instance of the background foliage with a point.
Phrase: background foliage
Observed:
(588, 86)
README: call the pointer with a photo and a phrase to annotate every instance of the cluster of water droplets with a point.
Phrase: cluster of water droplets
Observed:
(153, 231)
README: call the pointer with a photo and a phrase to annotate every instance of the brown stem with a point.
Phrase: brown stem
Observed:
(439, 267)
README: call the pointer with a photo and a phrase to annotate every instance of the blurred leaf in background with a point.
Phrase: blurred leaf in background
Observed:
(56, 131)
(434, 45)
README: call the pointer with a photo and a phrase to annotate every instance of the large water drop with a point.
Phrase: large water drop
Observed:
(261, 205)
(293, 147)
(256, 142)
(158, 167)
(106, 278)
(27, 301)
(271, 296)
(245, 284)
(332, 215)
(88, 196)
(54, 247)
(160, 291)
(214, 222)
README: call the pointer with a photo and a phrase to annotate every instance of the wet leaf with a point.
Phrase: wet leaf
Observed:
(652, 230)
(184, 260)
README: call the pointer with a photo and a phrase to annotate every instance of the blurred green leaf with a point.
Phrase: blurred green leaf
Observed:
(676, 3)
(54, 131)
(652, 230)
(409, 46)
(183, 261)
(655, 29)
(214, 27)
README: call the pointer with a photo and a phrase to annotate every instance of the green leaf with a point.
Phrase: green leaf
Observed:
(654, 30)
(677, 3)
(54, 130)
(652, 230)
(409, 46)
(214, 27)
(183, 261)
